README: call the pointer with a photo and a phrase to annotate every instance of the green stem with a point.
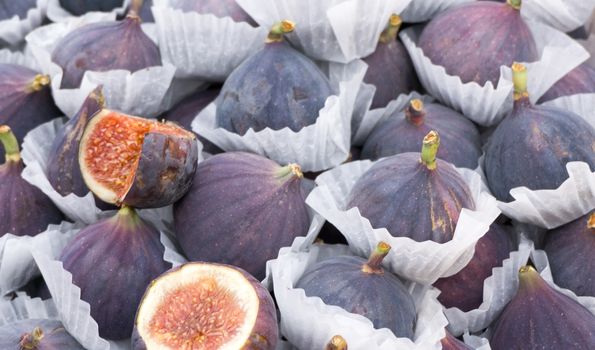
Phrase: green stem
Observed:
(127, 217)
(290, 169)
(279, 29)
(515, 4)
(392, 29)
(374, 263)
(10, 144)
(30, 341)
(39, 82)
(337, 342)
(529, 278)
(415, 112)
(429, 149)
(519, 80)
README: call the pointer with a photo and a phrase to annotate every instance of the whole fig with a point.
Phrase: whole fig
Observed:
(37, 334)
(580, 80)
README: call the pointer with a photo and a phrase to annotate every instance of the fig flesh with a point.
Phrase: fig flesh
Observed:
(37, 334)
(436, 187)
(451, 343)
(276, 87)
(136, 161)
(9, 9)
(365, 288)
(219, 8)
(245, 199)
(80, 7)
(580, 80)
(205, 306)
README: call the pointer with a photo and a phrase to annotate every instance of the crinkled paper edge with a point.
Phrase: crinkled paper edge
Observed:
(56, 13)
(14, 30)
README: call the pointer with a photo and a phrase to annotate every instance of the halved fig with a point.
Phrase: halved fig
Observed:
(205, 306)
(136, 161)
(37, 334)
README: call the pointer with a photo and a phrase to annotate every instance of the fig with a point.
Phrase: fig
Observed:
(80, 7)
(9, 9)
(245, 199)
(219, 8)
(451, 343)
(580, 80)
(365, 288)
(112, 262)
(337, 342)
(145, 12)
(205, 306)
(277, 87)
(24, 209)
(136, 161)
(104, 46)
(399, 135)
(569, 250)
(532, 145)
(474, 40)
(540, 317)
(37, 334)
(436, 189)
(390, 68)
(464, 290)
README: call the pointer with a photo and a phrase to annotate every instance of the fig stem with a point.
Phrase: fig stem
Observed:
(10, 144)
(39, 82)
(392, 29)
(337, 342)
(279, 29)
(429, 149)
(290, 169)
(591, 222)
(30, 341)
(98, 96)
(519, 81)
(135, 6)
(529, 277)
(415, 112)
(515, 4)
(374, 263)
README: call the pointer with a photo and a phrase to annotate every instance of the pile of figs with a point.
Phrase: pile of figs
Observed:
(170, 229)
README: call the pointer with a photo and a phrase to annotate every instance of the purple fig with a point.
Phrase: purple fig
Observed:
(580, 80)
(9, 9)
(80, 7)
(365, 288)
(245, 199)
(436, 190)
(145, 12)
(219, 8)
(112, 262)
(540, 317)
(277, 87)
(532, 145)
(399, 135)
(24, 209)
(474, 40)
(390, 68)
(451, 343)
(37, 334)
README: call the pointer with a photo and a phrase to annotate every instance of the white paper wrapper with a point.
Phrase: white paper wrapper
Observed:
(581, 104)
(329, 30)
(589, 45)
(478, 343)
(315, 147)
(488, 104)
(14, 30)
(19, 58)
(308, 323)
(565, 15)
(424, 10)
(56, 13)
(422, 262)
(25, 308)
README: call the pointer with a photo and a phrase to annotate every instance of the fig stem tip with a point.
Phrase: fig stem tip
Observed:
(10, 144)
(429, 149)
(374, 263)
(279, 29)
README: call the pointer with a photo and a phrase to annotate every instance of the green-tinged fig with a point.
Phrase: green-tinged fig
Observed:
(532, 145)
(277, 87)
(337, 342)
(24, 209)
(37, 334)
(541, 318)
(365, 288)
(9, 9)
(136, 161)
(451, 343)
(205, 306)
(580, 80)
(413, 195)
(80, 7)
(219, 8)
(244, 199)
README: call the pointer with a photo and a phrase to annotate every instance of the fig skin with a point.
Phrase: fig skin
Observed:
(569, 250)
(449, 342)
(436, 189)
(474, 40)
(246, 199)
(464, 290)
(365, 288)
(540, 317)
(104, 46)
(397, 134)
(80, 7)
(23, 334)
(219, 8)
(8, 9)
(276, 87)
(532, 145)
(580, 80)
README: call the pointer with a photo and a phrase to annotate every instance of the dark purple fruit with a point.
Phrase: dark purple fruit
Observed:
(451, 343)
(464, 290)
(242, 208)
(9, 9)
(337, 342)
(540, 317)
(570, 250)
(462, 141)
(277, 87)
(24, 209)
(80, 7)
(532, 145)
(365, 288)
(205, 306)
(219, 8)
(112, 262)
(434, 191)
(105, 46)
(145, 12)
(37, 334)
(390, 68)
(474, 40)
(580, 80)
(136, 161)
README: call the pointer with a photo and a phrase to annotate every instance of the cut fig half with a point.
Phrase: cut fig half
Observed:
(135, 161)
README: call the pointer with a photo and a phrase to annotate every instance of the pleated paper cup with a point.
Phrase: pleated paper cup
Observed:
(13, 30)
(57, 13)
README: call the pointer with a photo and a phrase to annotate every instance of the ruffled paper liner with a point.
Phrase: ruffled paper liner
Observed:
(204, 46)
(589, 45)
(56, 13)
(316, 147)
(140, 93)
(486, 105)
(424, 10)
(25, 308)
(477, 342)
(18, 58)
(308, 323)
(581, 104)
(337, 30)
(14, 30)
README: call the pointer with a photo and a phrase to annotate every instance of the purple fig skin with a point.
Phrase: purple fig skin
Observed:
(404, 132)
(265, 332)
(104, 46)
(569, 250)
(464, 290)
(8, 9)
(541, 318)
(145, 12)
(246, 199)
(474, 40)
(112, 262)
(80, 7)
(219, 8)
(580, 80)
(21, 335)
(449, 342)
